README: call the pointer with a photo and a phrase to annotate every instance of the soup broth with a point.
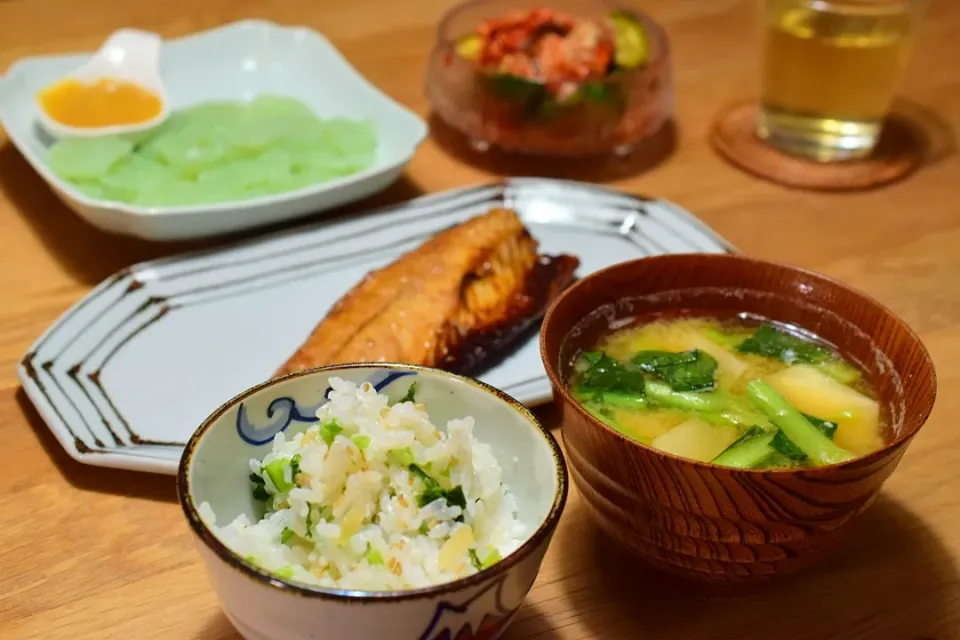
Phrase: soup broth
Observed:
(743, 392)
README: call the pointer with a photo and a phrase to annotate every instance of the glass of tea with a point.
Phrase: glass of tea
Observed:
(829, 72)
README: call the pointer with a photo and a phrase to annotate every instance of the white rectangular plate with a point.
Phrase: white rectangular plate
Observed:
(126, 375)
(235, 62)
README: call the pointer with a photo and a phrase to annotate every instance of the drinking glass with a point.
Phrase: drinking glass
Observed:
(829, 72)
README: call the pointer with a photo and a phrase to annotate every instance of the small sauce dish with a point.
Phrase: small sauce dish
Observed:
(118, 91)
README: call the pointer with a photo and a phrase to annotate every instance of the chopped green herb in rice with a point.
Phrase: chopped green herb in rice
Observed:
(375, 497)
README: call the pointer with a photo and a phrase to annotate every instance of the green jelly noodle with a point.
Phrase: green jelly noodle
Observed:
(731, 393)
(218, 152)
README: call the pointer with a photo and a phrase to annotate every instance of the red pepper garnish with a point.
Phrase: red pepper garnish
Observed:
(545, 46)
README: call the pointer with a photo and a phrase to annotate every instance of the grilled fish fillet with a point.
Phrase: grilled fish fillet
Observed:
(460, 297)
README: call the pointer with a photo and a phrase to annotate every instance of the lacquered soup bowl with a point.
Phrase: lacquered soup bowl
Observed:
(719, 530)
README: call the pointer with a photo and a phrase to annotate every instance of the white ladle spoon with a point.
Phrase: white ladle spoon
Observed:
(127, 55)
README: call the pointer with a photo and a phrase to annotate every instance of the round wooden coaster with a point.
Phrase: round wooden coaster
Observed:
(899, 151)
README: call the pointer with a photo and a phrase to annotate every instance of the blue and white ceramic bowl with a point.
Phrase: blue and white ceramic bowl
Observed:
(215, 469)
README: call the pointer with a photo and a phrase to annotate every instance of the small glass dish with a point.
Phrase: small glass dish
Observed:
(610, 112)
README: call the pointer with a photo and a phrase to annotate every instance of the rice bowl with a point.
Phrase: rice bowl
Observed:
(264, 461)
(375, 497)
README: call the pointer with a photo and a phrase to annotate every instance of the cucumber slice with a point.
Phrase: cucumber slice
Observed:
(632, 44)
(469, 46)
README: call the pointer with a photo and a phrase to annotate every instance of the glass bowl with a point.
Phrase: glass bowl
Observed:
(610, 112)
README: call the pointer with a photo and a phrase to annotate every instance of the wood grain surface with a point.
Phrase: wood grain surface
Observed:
(95, 553)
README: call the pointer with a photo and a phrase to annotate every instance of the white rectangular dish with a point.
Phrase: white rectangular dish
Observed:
(234, 62)
(129, 372)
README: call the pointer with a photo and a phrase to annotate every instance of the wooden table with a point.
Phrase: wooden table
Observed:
(96, 553)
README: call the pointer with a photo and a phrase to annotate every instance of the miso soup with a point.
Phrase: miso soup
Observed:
(745, 393)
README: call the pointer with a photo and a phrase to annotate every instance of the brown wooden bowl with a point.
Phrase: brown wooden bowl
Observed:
(719, 530)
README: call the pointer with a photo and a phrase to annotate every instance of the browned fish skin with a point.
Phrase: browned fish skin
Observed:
(452, 302)
(546, 280)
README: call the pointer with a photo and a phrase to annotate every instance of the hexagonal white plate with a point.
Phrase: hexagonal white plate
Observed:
(126, 375)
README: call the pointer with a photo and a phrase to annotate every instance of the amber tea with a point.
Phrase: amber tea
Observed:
(829, 73)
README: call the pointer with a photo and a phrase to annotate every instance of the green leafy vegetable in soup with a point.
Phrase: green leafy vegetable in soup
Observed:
(600, 371)
(685, 371)
(738, 393)
(768, 341)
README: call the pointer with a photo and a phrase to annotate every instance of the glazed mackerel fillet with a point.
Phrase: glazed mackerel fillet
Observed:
(463, 295)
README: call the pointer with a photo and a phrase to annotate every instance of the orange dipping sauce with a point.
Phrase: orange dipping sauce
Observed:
(102, 103)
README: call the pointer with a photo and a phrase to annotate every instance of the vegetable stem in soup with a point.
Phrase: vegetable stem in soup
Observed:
(745, 393)
(795, 427)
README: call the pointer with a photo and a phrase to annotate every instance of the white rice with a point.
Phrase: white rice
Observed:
(351, 517)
